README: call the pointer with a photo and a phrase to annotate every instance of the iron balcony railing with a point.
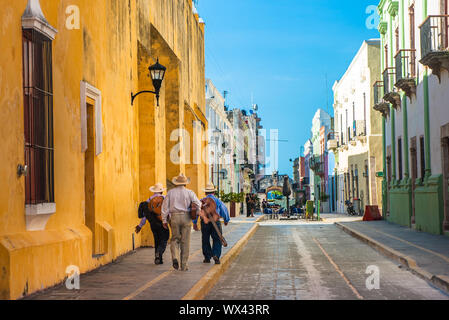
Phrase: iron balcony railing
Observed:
(332, 136)
(378, 92)
(317, 165)
(405, 61)
(333, 141)
(434, 34)
(387, 74)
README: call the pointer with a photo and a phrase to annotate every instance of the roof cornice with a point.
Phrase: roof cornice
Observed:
(33, 18)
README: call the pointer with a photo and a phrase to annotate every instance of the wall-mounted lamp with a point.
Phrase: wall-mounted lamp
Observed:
(157, 72)
(22, 170)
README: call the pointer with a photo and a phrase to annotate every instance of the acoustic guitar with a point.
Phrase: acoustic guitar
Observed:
(209, 215)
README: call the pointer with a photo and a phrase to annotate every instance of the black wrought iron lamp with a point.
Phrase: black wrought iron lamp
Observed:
(157, 72)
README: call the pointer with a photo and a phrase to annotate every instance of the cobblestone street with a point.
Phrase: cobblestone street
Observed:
(283, 260)
(315, 262)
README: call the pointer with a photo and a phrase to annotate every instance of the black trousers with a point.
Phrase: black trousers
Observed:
(161, 235)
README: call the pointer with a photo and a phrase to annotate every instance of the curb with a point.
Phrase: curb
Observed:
(208, 281)
(442, 282)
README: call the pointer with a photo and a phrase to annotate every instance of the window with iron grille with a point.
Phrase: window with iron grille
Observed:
(38, 117)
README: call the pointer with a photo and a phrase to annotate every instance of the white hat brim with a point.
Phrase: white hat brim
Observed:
(177, 183)
(156, 190)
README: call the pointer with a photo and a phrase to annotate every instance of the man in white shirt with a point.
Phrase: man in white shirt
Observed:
(176, 211)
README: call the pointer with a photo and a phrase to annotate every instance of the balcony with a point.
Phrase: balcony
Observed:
(360, 130)
(379, 104)
(435, 43)
(332, 141)
(317, 166)
(406, 71)
(390, 96)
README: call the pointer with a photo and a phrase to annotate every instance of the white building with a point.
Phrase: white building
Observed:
(357, 136)
(221, 140)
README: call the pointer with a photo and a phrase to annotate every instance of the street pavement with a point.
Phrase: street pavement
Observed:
(284, 260)
(315, 261)
(136, 277)
(429, 252)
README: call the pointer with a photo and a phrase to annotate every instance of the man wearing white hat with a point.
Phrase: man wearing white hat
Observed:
(176, 211)
(208, 231)
(153, 214)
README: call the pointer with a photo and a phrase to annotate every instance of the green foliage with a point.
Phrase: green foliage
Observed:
(232, 197)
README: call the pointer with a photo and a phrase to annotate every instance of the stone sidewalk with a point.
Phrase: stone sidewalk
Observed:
(135, 276)
(425, 254)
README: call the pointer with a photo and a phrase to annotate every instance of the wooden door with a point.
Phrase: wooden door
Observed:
(414, 176)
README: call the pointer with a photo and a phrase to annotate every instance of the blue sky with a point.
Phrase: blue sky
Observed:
(281, 52)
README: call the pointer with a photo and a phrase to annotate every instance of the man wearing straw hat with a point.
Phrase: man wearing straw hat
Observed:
(208, 231)
(153, 216)
(176, 210)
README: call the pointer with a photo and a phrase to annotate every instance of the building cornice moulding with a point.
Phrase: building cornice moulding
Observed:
(33, 18)
(393, 8)
(383, 27)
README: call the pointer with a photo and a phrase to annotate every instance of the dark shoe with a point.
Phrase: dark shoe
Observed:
(217, 260)
(157, 259)
(206, 260)
(176, 264)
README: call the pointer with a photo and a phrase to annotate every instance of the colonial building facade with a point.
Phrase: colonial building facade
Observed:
(356, 139)
(78, 156)
(221, 141)
(413, 98)
(319, 160)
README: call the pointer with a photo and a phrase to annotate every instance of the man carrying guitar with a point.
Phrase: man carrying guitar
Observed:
(151, 211)
(212, 210)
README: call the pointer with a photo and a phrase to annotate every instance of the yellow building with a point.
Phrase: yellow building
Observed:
(67, 70)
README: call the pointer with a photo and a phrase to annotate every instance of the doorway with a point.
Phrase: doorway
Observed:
(367, 180)
(445, 168)
(89, 172)
(414, 174)
(389, 176)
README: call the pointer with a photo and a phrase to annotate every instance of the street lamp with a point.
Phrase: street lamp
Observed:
(157, 72)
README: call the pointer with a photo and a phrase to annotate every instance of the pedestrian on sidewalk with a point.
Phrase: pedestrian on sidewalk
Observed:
(176, 210)
(151, 211)
(208, 231)
(250, 205)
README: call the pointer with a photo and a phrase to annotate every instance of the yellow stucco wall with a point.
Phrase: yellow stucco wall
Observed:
(111, 51)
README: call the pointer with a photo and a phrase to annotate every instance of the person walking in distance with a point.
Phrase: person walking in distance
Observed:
(248, 205)
(151, 211)
(208, 230)
(176, 210)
